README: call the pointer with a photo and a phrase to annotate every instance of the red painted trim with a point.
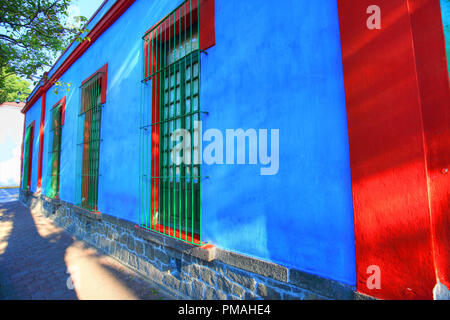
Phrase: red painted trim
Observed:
(398, 115)
(177, 20)
(41, 144)
(178, 235)
(181, 235)
(23, 143)
(104, 71)
(207, 24)
(191, 5)
(154, 205)
(41, 136)
(93, 212)
(62, 102)
(108, 19)
(433, 81)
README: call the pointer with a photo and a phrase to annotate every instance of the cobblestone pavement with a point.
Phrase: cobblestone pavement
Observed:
(41, 261)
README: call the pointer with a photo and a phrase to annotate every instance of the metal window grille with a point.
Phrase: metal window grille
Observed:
(88, 143)
(54, 154)
(27, 157)
(170, 193)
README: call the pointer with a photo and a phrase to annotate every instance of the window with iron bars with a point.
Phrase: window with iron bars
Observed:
(170, 194)
(28, 156)
(54, 147)
(88, 141)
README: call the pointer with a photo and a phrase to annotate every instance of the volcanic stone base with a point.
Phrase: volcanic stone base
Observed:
(186, 271)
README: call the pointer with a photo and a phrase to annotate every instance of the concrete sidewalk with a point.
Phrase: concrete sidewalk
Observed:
(41, 261)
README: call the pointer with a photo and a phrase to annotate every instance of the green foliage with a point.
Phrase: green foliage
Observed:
(33, 33)
(11, 85)
(62, 86)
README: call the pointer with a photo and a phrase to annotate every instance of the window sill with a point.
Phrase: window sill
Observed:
(89, 214)
(206, 252)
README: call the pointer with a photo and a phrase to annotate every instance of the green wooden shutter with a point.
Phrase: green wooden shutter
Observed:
(88, 146)
(27, 160)
(54, 156)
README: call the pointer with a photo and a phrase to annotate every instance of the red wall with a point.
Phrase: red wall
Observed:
(41, 144)
(434, 86)
(397, 107)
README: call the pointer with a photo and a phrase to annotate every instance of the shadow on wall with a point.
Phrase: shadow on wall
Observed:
(392, 223)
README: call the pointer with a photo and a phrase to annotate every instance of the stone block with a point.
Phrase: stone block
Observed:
(237, 290)
(149, 251)
(208, 276)
(244, 279)
(268, 293)
(139, 247)
(171, 281)
(325, 287)
(212, 293)
(185, 288)
(162, 256)
(148, 235)
(174, 254)
(223, 283)
(130, 243)
(123, 239)
(133, 260)
(197, 288)
(263, 268)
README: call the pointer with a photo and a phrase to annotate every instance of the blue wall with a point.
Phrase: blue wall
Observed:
(120, 47)
(280, 67)
(272, 68)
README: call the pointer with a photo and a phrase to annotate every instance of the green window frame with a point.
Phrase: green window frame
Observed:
(54, 147)
(170, 192)
(93, 93)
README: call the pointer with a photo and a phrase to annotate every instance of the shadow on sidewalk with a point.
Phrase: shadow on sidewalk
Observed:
(35, 257)
(31, 266)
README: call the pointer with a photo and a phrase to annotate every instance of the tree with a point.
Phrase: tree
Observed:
(12, 85)
(33, 33)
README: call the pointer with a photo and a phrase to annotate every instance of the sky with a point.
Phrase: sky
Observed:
(84, 7)
(11, 120)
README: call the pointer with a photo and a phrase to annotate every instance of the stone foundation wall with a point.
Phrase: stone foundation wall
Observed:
(186, 271)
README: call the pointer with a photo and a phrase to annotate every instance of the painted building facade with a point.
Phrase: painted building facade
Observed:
(341, 190)
(11, 124)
